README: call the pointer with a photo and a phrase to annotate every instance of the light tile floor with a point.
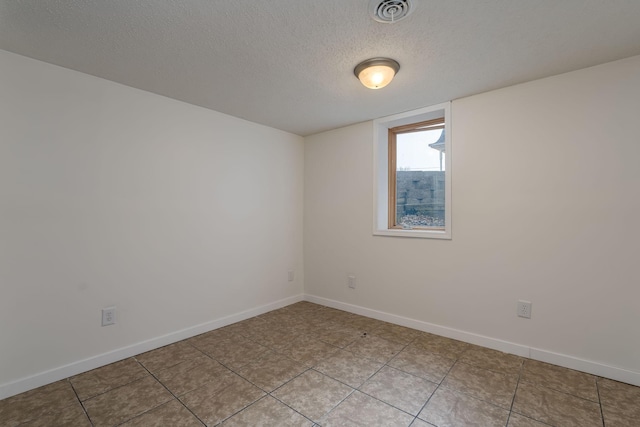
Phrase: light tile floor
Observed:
(309, 365)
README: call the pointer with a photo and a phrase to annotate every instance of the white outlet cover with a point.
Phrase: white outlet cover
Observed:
(108, 316)
(351, 281)
(524, 309)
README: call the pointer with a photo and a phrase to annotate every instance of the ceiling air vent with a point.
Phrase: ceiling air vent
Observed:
(390, 11)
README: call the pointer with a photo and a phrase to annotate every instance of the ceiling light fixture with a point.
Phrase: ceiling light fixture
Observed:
(376, 73)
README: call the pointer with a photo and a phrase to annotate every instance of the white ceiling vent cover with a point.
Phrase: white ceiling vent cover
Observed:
(390, 11)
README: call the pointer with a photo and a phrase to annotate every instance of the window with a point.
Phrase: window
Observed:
(412, 174)
(416, 175)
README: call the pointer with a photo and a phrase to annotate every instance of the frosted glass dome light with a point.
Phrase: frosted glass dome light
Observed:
(376, 73)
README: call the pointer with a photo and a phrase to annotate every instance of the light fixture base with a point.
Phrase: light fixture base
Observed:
(376, 73)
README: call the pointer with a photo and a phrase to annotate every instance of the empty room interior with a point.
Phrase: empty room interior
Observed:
(207, 216)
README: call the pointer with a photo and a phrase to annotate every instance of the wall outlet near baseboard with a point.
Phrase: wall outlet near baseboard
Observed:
(524, 309)
(291, 275)
(351, 281)
(108, 316)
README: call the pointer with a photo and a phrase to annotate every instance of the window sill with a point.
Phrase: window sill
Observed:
(415, 233)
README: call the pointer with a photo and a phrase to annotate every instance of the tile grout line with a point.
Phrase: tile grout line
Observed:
(513, 399)
(437, 388)
(112, 388)
(353, 389)
(232, 371)
(415, 417)
(293, 409)
(80, 401)
(473, 396)
(226, 367)
(520, 380)
(385, 364)
(267, 393)
(438, 384)
(170, 392)
(600, 402)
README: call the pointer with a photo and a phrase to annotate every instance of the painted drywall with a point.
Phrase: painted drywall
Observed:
(111, 196)
(546, 208)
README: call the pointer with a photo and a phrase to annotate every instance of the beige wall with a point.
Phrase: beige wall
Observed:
(178, 215)
(545, 208)
(114, 196)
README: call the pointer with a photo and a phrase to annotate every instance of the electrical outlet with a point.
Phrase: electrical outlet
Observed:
(108, 316)
(351, 281)
(292, 275)
(524, 309)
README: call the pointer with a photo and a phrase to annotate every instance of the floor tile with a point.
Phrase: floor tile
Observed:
(560, 379)
(191, 374)
(396, 333)
(308, 350)
(279, 317)
(37, 402)
(362, 410)
(492, 360)
(339, 336)
(432, 367)
(300, 326)
(271, 371)
(364, 325)
(312, 394)
(454, 409)
(337, 367)
(348, 368)
(267, 412)
(317, 318)
(70, 416)
(274, 337)
(613, 418)
(218, 400)
(168, 356)
(235, 352)
(312, 329)
(490, 386)
(107, 377)
(397, 388)
(208, 342)
(517, 420)
(375, 348)
(620, 401)
(554, 407)
(303, 307)
(172, 413)
(123, 403)
(210, 338)
(248, 327)
(440, 345)
(339, 317)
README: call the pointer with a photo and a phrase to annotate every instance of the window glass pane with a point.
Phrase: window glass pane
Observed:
(420, 179)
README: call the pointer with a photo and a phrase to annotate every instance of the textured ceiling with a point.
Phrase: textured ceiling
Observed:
(288, 63)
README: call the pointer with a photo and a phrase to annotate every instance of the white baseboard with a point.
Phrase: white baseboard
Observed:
(75, 368)
(595, 368)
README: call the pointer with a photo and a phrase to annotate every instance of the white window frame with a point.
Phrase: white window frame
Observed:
(381, 171)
